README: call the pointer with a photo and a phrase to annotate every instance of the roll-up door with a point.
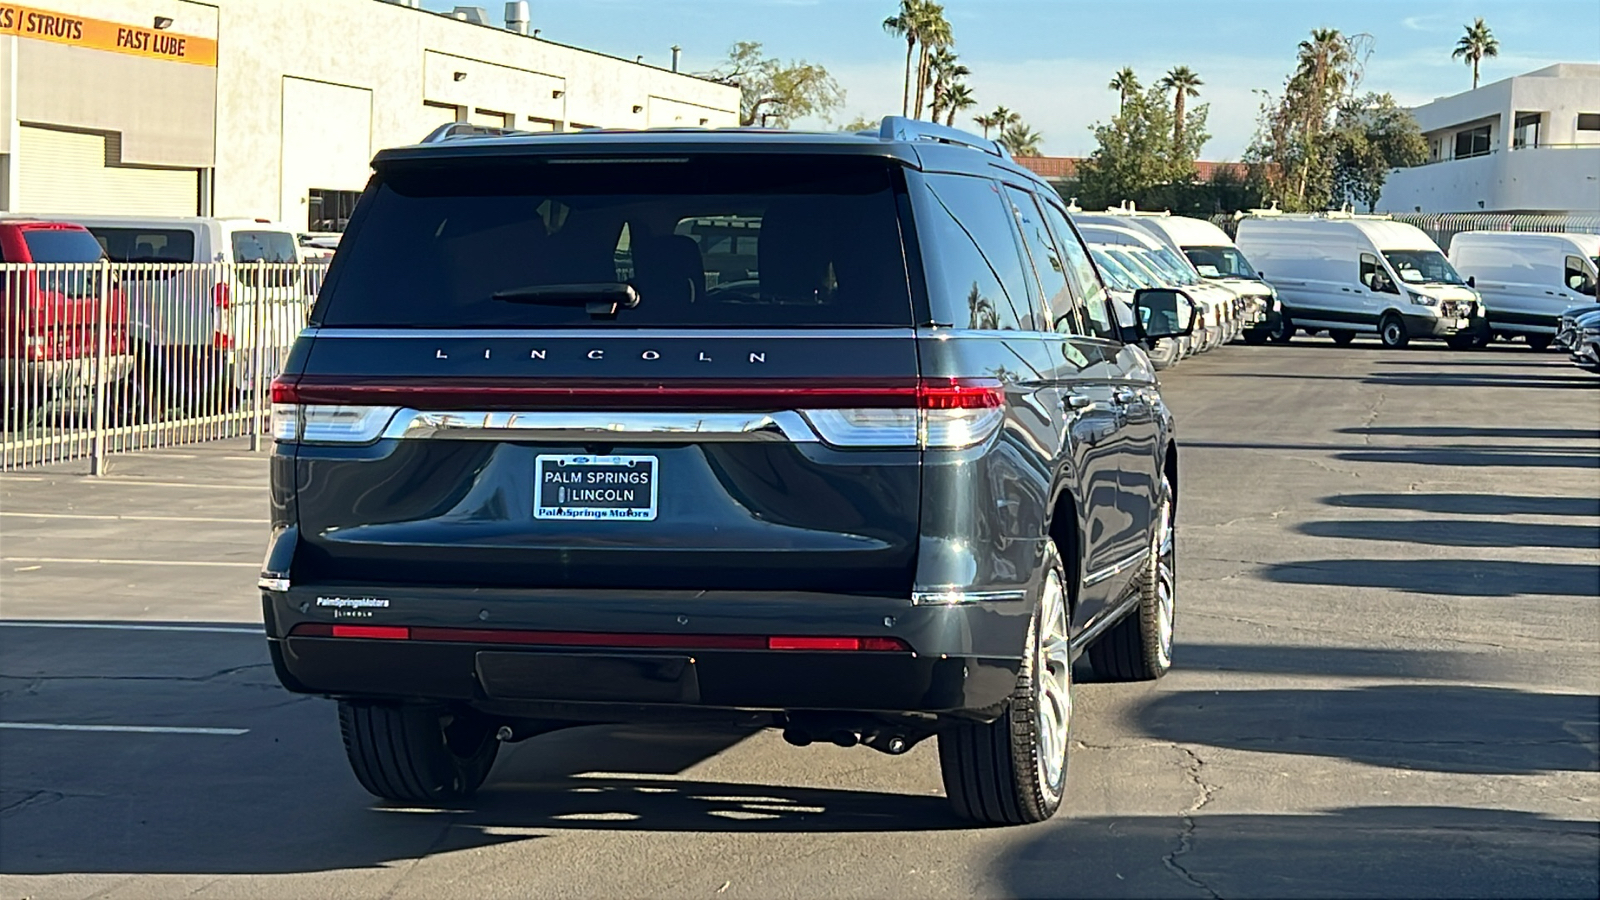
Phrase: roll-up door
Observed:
(66, 172)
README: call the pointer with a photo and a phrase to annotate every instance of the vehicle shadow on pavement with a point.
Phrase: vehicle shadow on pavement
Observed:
(1459, 533)
(1472, 504)
(1444, 577)
(1370, 851)
(1491, 432)
(1519, 457)
(1439, 728)
(1336, 662)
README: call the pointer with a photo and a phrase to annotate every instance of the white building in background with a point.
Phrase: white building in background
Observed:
(274, 108)
(1526, 144)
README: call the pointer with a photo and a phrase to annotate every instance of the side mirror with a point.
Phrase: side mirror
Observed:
(1163, 313)
(1472, 281)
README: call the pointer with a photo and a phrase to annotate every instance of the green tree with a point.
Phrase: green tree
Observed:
(1183, 82)
(1126, 84)
(1001, 119)
(1476, 45)
(774, 91)
(1294, 153)
(861, 123)
(1020, 139)
(904, 24)
(945, 71)
(1135, 157)
(957, 99)
(933, 32)
(1373, 136)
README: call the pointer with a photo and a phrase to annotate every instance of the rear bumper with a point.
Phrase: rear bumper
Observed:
(963, 659)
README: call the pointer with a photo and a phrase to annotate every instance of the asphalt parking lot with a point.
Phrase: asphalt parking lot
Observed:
(1387, 683)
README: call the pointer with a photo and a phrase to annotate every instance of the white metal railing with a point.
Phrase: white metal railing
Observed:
(102, 358)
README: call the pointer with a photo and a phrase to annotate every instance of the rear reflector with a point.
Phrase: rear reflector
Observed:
(597, 639)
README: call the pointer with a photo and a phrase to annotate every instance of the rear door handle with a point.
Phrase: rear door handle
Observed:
(1077, 401)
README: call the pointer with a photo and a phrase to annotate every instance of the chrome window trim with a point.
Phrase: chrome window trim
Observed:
(411, 424)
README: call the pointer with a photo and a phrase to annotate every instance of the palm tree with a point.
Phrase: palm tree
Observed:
(985, 121)
(1020, 139)
(1126, 84)
(1001, 118)
(957, 98)
(1320, 76)
(1477, 44)
(944, 72)
(904, 24)
(933, 32)
(1183, 83)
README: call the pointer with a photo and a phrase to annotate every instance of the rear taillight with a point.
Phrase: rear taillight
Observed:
(950, 413)
(323, 423)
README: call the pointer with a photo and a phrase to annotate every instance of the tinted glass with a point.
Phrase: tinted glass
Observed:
(1223, 262)
(263, 246)
(1422, 267)
(1092, 296)
(146, 244)
(57, 245)
(1117, 276)
(1047, 264)
(725, 241)
(976, 277)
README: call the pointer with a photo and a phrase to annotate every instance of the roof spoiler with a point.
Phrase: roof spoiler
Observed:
(900, 128)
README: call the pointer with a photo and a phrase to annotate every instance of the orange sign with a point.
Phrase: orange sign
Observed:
(98, 34)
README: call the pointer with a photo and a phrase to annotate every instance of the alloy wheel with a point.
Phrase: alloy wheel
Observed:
(1166, 574)
(1053, 671)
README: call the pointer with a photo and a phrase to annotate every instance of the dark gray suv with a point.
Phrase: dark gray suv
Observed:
(834, 433)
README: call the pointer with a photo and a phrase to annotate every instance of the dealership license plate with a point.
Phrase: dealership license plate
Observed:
(1463, 323)
(595, 487)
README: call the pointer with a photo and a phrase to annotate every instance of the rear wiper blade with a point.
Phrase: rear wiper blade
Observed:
(602, 298)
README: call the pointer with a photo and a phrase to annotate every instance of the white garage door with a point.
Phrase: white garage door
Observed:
(327, 143)
(65, 172)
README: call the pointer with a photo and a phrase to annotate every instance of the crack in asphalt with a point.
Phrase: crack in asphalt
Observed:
(1192, 766)
(34, 798)
(1372, 416)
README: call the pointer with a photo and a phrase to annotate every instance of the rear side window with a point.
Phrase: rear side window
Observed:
(1579, 276)
(1047, 264)
(729, 241)
(263, 246)
(976, 275)
(1092, 295)
(60, 245)
(167, 245)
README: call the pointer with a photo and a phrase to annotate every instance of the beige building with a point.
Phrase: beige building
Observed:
(274, 108)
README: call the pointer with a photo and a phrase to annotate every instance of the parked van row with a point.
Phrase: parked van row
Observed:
(1135, 251)
(196, 306)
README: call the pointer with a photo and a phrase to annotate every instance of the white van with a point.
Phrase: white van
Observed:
(1526, 279)
(212, 297)
(1350, 274)
(1213, 255)
(1213, 304)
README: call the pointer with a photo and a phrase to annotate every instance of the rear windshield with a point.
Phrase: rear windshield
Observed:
(705, 241)
(60, 245)
(167, 245)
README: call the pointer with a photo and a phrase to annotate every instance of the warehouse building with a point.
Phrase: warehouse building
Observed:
(274, 108)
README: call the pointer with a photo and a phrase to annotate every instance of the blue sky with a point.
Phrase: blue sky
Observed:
(1050, 59)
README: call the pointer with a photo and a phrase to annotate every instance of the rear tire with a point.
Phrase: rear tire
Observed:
(1342, 338)
(1139, 648)
(1392, 331)
(417, 754)
(1013, 771)
(1540, 342)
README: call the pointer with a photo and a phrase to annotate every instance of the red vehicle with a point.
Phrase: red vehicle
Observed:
(50, 338)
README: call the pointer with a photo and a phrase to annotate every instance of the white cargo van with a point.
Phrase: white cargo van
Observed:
(1527, 280)
(1351, 274)
(212, 297)
(1213, 304)
(1213, 255)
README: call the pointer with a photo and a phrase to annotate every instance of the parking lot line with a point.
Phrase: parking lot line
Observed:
(142, 483)
(109, 626)
(131, 729)
(129, 562)
(112, 517)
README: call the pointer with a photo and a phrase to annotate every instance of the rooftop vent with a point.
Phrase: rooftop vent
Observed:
(517, 16)
(477, 15)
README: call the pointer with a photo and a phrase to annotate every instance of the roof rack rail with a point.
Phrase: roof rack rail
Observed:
(452, 130)
(900, 128)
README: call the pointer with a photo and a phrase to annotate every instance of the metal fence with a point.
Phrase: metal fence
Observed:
(1441, 227)
(104, 358)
